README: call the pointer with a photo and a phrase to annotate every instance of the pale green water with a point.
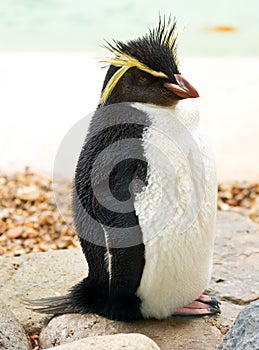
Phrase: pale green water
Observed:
(82, 25)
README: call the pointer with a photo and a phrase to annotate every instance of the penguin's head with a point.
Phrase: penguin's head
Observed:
(146, 70)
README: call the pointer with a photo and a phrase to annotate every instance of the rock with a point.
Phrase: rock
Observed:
(177, 333)
(38, 275)
(29, 193)
(235, 270)
(244, 333)
(46, 218)
(12, 334)
(14, 232)
(111, 342)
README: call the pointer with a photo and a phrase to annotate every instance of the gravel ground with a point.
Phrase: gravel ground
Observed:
(30, 220)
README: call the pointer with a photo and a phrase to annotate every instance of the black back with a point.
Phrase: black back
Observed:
(113, 297)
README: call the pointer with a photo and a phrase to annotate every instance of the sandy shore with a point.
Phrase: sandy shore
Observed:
(44, 95)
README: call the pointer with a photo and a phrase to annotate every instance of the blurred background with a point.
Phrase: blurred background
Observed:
(82, 26)
(50, 75)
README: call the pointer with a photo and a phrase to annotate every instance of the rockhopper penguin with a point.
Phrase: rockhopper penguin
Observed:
(144, 193)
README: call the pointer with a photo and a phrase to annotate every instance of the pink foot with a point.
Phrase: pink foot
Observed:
(204, 305)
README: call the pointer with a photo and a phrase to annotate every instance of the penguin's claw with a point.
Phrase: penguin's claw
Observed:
(202, 306)
(212, 301)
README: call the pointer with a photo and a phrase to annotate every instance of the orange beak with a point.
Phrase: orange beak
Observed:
(184, 89)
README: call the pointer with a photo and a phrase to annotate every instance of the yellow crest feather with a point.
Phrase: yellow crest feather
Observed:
(112, 83)
(125, 62)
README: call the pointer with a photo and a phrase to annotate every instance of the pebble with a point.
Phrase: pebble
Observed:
(132, 341)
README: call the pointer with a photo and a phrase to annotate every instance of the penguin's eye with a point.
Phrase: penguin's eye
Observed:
(142, 79)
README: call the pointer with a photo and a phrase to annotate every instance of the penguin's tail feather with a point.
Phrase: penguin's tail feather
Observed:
(89, 296)
(54, 305)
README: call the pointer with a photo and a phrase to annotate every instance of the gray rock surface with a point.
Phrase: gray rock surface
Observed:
(235, 280)
(12, 334)
(111, 342)
(235, 271)
(244, 333)
(38, 275)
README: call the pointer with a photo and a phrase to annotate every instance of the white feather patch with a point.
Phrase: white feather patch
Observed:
(107, 256)
(177, 224)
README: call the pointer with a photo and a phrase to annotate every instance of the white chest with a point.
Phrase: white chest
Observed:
(176, 211)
